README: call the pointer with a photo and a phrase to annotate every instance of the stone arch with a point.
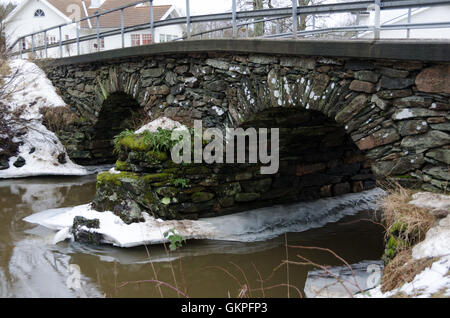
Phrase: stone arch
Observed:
(119, 112)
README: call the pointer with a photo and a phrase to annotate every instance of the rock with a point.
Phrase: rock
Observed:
(247, 197)
(159, 90)
(379, 138)
(62, 158)
(81, 230)
(442, 127)
(382, 104)
(303, 63)
(412, 127)
(153, 72)
(223, 65)
(360, 86)
(258, 186)
(302, 170)
(442, 155)
(367, 76)
(202, 197)
(413, 101)
(217, 86)
(353, 108)
(391, 72)
(397, 167)
(341, 188)
(408, 113)
(341, 282)
(435, 79)
(20, 162)
(440, 106)
(396, 83)
(421, 143)
(4, 164)
(438, 172)
(356, 65)
(263, 59)
(392, 94)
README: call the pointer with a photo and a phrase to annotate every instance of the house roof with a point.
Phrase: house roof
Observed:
(134, 15)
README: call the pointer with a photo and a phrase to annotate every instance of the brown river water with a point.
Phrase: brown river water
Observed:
(31, 266)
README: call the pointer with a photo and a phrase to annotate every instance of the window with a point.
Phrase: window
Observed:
(39, 13)
(146, 39)
(162, 38)
(135, 39)
(51, 39)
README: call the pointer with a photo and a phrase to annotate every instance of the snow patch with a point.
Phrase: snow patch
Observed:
(250, 226)
(163, 123)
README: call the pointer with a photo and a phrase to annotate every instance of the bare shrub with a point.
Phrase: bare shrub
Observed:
(58, 118)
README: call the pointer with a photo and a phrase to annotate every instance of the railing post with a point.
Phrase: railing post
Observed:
(246, 30)
(32, 45)
(97, 18)
(377, 23)
(60, 42)
(233, 22)
(314, 22)
(408, 30)
(122, 27)
(294, 19)
(152, 22)
(188, 20)
(277, 27)
(78, 37)
(45, 44)
(22, 41)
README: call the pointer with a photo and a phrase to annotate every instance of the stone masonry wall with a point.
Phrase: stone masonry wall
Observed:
(396, 112)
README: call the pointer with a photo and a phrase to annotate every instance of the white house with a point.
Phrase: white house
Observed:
(400, 16)
(35, 15)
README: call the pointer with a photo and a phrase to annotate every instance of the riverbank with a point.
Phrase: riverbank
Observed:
(27, 147)
(417, 253)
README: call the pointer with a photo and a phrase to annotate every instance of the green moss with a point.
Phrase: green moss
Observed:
(158, 155)
(109, 178)
(123, 166)
(156, 177)
(134, 143)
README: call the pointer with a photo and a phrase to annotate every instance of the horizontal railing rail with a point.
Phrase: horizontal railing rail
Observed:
(235, 20)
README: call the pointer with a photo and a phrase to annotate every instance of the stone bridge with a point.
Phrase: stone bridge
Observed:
(349, 113)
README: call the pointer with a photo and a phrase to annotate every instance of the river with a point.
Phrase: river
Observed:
(31, 266)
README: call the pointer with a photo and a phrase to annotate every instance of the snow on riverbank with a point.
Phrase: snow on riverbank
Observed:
(255, 225)
(434, 280)
(28, 91)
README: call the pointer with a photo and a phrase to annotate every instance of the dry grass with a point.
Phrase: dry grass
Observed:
(58, 118)
(407, 222)
(402, 269)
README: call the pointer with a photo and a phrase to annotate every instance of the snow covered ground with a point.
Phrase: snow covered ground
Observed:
(29, 91)
(255, 225)
(435, 279)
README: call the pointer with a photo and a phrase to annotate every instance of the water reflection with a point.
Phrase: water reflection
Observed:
(30, 266)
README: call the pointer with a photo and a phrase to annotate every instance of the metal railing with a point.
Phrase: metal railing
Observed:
(234, 20)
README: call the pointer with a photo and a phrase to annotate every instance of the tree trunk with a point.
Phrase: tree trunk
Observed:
(259, 27)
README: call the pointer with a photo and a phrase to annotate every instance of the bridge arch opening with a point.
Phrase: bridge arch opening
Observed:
(317, 156)
(119, 112)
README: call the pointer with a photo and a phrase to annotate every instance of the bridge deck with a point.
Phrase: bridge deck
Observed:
(432, 50)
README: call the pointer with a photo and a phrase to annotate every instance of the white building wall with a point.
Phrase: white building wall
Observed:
(428, 15)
